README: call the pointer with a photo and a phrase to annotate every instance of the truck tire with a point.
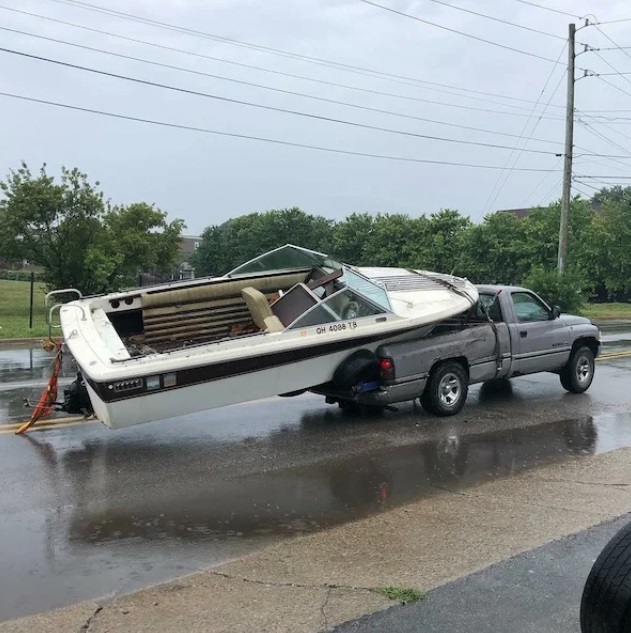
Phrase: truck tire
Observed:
(360, 366)
(577, 375)
(447, 389)
(606, 599)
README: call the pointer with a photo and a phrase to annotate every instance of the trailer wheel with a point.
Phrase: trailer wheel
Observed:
(578, 373)
(606, 599)
(447, 389)
(360, 366)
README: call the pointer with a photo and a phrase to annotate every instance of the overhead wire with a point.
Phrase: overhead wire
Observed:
(401, 79)
(252, 104)
(597, 27)
(495, 19)
(551, 191)
(584, 193)
(499, 185)
(541, 183)
(266, 87)
(463, 33)
(539, 6)
(613, 85)
(192, 128)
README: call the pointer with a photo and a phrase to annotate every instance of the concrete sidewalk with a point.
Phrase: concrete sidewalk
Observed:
(316, 582)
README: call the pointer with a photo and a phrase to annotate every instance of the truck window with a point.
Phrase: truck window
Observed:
(491, 307)
(528, 308)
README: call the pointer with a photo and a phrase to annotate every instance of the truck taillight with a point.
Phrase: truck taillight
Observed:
(386, 366)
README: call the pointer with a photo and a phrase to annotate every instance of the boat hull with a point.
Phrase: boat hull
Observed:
(219, 392)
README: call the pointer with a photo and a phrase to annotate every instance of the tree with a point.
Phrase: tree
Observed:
(445, 240)
(78, 238)
(139, 238)
(351, 237)
(493, 251)
(608, 249)
(234, 242)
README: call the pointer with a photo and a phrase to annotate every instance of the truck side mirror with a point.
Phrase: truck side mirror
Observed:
(556, 313)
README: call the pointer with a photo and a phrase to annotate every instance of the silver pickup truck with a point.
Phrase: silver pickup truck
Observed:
(510, 332)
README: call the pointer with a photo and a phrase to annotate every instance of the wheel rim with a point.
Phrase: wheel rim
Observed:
(583, 369)
(449, 390)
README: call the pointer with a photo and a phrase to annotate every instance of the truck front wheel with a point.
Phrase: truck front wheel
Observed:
(446, 391)
(577, 375)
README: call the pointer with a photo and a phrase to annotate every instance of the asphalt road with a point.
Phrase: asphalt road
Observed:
(89, 512)
(536, 592)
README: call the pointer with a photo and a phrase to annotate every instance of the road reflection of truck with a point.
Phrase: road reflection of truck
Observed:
(286, 500)
(510, 332)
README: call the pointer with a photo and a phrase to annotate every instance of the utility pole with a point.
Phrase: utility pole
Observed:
(569, 149)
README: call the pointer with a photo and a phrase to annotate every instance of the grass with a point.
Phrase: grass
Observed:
(607, 310)
(14, 310)
(402, 594)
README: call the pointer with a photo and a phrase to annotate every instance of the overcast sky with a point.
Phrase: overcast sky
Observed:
(207, 179)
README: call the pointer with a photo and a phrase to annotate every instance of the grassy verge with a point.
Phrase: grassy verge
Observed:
(607, 311)
(14, 310)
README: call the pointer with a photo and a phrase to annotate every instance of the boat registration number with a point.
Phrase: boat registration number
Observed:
(336, 327)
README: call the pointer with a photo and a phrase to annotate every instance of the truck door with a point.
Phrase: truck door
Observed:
(540, 342)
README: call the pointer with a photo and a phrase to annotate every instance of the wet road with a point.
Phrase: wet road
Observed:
(88, 512)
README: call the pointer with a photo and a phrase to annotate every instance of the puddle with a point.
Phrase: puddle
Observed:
(308, 498)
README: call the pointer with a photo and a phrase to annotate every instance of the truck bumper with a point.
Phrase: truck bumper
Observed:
(381, 397)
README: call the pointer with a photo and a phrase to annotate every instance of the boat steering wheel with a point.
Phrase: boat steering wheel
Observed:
(351, 310)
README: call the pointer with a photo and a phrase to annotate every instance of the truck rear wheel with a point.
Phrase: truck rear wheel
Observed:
(447, 389)
(578, 374)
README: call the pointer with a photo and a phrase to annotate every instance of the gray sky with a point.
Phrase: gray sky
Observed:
(207, 179)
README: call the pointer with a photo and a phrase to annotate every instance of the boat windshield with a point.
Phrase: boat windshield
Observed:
(286, 257)
(367, 287)
(344, 305)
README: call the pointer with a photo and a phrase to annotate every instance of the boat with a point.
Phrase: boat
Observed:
(278, 324)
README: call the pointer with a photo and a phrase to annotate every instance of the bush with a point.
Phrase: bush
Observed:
(568, 290)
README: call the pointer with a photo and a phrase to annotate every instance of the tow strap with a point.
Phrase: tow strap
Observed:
(46, 402)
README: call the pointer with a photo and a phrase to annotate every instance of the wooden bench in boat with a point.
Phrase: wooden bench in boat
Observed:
(206, 312)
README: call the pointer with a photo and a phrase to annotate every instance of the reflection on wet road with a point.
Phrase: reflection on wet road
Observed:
(88, 512)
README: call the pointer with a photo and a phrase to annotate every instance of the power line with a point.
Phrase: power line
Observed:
(257, 138)
(491, 17)
(616, 71)
(610, 40)
(400, 79)
(539, 6)
(264, 87)
(614, 86)
(251, 104)
(499, 185)
(218, 38)
(540, 184)
(587, 195)
(605, 138)
(551, 191)
(463, 33)
(596, 178)
(615, 21)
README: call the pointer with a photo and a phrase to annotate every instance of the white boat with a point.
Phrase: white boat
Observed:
(280, 323)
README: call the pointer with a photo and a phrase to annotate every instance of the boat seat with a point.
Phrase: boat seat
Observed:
(260, 310)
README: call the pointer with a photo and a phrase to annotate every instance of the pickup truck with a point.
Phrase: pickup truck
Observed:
(510, 332)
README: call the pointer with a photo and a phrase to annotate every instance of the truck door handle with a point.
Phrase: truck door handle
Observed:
(523, 333)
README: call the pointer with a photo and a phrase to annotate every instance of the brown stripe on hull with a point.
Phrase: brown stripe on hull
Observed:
(239, 367)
